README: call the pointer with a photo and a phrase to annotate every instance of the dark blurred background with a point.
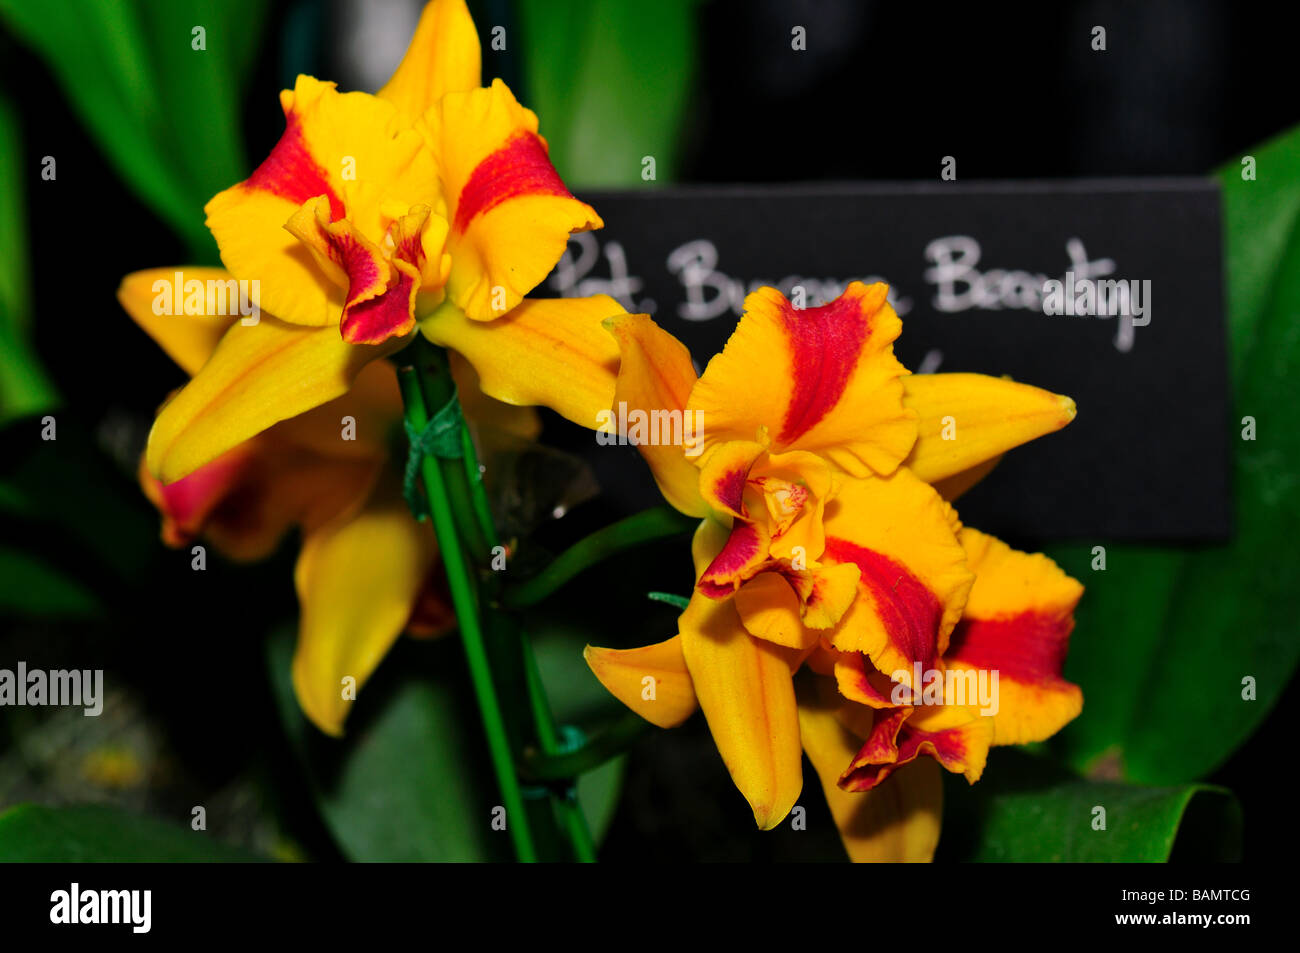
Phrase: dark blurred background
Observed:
(883, 92)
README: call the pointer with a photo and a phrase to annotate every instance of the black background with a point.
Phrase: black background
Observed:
(1167, 394)
(1011, 92)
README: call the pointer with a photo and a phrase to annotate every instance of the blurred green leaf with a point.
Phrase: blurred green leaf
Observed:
(31, 833)
(611, 84)
(164, 113)
(1026, 809)
(1165, 637)
(75, 504)
(30, 587)
(24, 387)
(410, 781)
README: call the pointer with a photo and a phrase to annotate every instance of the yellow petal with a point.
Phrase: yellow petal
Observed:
(150, 298)
(897, 822)
(548, 352)
(257, 377)
(823, 379)
(1017, 624)
(357, 583)
(834, 589)
(443, 57)
(983, 417)
(369, 415)
(511, 215)
(652, 681)
(747, 695)
(770, 609)
(492, 419)
(655, 377)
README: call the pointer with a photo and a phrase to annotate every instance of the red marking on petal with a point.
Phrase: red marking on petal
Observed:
(730, 489)
(825, 344)
(359, 262)
(870, 683)
(741, 548)
(882, 746)
(387, 315)
(1029, 647)
(713, 590)
(520, 167)
(908, 610)
(189, 502)
(292, 173)
(878, 759)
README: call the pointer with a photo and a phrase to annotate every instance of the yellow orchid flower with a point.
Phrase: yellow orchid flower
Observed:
(819, 525)
(862, 729)
(430, 203)
(367, 571)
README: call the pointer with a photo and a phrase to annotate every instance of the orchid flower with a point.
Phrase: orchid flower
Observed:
(431, 204)
(366, 571)
(818, 477)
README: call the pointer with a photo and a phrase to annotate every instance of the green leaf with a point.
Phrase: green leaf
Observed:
(611, 84)
(164, 113)
(1026, 809)
(1166, 638)
(112, 532)
(30, 587)
(32, 833)
(24, 387)
(202, 88)
(410, 781)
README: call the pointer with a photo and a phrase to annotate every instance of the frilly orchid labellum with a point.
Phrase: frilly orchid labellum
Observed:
(371, 335)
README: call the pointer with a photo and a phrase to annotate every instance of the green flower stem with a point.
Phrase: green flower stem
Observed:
(551, 816)
(477, 492)
(567, 805)
(544, 767)
(465, 602)
(438, 389)
(658, 523)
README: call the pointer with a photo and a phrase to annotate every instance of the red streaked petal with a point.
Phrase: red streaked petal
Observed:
(1017, 625)
(741, 557)
(724, 475)
(956, 739)
(909, 612)
(511, 215)
(829, 380)
(519, 167)
(914, 579)
(291, 171)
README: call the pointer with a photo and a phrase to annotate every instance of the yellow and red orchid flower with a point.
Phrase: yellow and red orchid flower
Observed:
(367, 570)
(432, 203)
(865, 732)
(820, 526)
